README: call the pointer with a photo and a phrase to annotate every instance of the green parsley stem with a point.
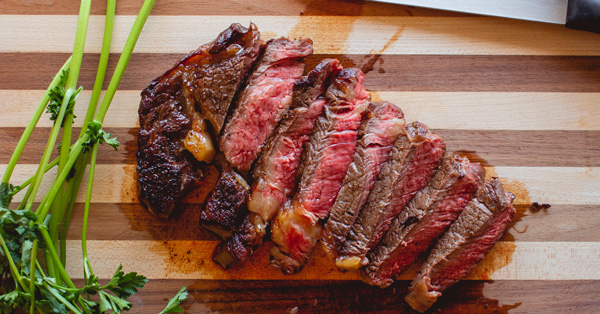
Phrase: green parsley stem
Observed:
(124, 59)
(32, 276)
(32, 123)
(86, 211)
(23, 185)
(102, 64)
(52, 252)
(13, 268)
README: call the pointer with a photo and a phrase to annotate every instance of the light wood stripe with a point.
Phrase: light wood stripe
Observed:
(227, 7)
(171, 260)
(499, 110)
(367, 34)
(554, 185)
(560, 223)
(440, 110)
(448, 73)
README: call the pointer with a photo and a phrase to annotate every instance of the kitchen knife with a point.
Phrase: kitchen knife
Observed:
(576, 14)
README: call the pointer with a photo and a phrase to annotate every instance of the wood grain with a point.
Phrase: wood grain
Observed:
(226, 7)
(359, 35)
(488, 147)
(460, 73)
(554, 185)
(322, 296)
(192, 260)
(520, 97)
(131, 221)
(549, 111)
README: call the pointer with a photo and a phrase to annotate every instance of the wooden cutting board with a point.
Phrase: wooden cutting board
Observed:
(522, 98)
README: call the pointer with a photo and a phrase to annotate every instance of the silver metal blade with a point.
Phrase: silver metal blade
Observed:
(549, 11)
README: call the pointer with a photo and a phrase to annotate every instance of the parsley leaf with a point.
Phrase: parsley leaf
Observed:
(97, 135)
(6, 194)
(173, 305)
(124, 285)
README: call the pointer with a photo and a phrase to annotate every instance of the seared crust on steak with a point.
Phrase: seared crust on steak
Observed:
(208, 77)
(225, 206)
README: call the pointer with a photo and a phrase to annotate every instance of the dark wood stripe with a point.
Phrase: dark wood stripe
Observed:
(226, 7)
(389, 72)
(504, 296)
(491, 148)
(579, 223)
(548, 148)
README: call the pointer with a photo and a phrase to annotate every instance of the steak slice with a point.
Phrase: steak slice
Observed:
(424, 219)
(415, 156)
(325, 161)
(172, 132)
(469, 238)
(377, 135)
(264, 101)
(225, 206)
(275, 173)
(214, 73)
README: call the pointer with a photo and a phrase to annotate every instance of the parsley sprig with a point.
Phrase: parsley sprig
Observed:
(25, 282)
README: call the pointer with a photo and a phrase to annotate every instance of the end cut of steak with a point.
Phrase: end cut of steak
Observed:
(264, 101)
(325, 161)
(377, 135)
(469, 238)
(415, 156)
(424, 219)
(275, 173)
(170, 124)
(225, 206)
(213, 73)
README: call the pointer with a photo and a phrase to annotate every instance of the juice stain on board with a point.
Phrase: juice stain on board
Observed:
(465, 297)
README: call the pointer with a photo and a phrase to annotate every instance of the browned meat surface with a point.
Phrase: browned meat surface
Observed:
(328, 154)
(415, 156)
(264, 101)
(377, 135)
(172, 132)
(213, 73)
(225, 206)
(424, 219)
(275, 173)
(248, 235)
(469, 238)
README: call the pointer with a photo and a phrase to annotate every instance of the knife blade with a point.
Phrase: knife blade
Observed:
(576, 14)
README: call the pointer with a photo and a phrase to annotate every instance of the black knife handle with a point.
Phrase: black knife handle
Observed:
(584, 15)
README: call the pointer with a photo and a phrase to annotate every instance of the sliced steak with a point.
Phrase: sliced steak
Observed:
(377, 135)
(213, 73)
(264, 101)
(170, 126)
(469, 238)
(325, 161)
(225, 206)
(275, 173)
(415, 156)
(424, 219)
